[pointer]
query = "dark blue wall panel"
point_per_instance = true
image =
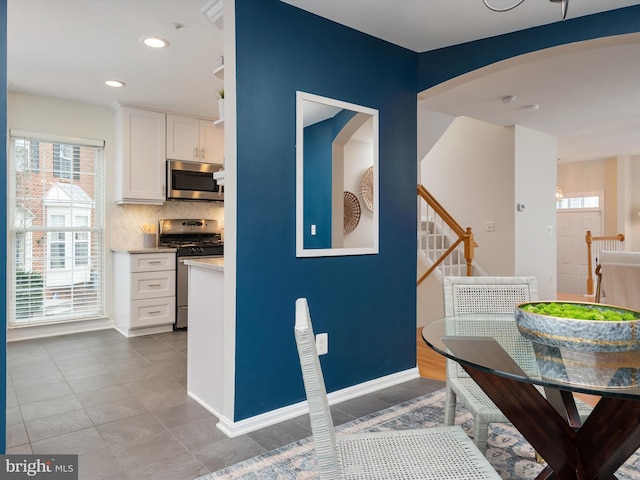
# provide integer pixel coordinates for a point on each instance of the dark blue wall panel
(366, 303)
(3, 222)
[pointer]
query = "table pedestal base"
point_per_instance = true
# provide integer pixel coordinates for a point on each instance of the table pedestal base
(592, 451)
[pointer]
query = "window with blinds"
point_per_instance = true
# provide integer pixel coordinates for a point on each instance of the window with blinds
(57, 230)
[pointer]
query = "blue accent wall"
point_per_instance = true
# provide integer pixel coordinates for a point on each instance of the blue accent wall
(366, 303)
(3, 222)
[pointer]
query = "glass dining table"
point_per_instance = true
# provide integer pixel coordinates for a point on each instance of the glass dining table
(507, 367)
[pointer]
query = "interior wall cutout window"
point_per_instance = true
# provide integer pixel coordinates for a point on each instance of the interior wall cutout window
(57, 229)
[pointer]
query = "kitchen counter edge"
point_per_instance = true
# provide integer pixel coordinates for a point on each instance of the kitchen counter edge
(216, 264)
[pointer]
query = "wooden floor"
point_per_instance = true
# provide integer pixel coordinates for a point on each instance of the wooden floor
(432, 364)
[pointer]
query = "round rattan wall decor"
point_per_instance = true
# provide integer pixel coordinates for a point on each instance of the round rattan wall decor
(367, 188)
(351, 212)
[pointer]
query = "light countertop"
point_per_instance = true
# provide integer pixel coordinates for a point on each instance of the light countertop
(216, 264)
(144, 250)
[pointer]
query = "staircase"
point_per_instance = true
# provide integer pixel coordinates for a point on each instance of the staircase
(444, 246)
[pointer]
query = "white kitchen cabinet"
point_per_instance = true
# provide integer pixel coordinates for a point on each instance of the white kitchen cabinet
(145, 292)
(141, 156)
(194, 139)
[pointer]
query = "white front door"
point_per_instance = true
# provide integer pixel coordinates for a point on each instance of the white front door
(572, 248)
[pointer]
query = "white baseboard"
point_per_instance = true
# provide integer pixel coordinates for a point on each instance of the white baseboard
(15, 334)
(234, 429)
(204, 405)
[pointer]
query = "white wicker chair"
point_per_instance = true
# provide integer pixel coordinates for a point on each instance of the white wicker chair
(438, 453)
(487, 295)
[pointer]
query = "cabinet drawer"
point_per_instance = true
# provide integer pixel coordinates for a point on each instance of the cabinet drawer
(153, 312)
(153, 284)
(149, 262)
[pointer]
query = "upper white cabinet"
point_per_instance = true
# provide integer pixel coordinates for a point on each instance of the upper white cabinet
(192, 139)
(141, 156)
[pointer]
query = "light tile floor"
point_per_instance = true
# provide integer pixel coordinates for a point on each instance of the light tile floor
(121, 404)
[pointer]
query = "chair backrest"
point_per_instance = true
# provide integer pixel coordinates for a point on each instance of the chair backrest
(487, 294)
(463, 295)
(319, 412)
(621, 278)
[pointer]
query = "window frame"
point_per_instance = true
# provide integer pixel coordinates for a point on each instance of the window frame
(82, 238)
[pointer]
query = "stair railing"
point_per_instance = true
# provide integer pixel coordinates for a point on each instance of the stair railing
(442, 240)
(595, 245)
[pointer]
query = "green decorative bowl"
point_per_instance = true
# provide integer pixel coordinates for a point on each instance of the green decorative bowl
(597, 335)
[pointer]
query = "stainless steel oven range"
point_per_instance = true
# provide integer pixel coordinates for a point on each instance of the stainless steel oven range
(191, 238)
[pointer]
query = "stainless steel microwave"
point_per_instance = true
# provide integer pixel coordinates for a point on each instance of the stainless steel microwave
(193, 181)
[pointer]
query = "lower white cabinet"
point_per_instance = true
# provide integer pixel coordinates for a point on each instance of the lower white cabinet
(145, 292)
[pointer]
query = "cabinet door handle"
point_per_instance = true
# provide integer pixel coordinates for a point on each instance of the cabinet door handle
(202, 153)
(154, 285)
(155, 312)
(195, 152)
(154, 262)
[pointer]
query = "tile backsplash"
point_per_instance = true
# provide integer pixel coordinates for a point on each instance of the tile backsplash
(126, 220)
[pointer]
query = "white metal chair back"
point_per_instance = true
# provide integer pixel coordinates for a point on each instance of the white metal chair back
(319, 412)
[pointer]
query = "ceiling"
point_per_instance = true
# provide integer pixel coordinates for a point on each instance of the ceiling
(67, 48)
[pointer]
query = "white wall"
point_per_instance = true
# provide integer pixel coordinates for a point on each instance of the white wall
(535, 226)
(629, 219)
(470, 171)
(479, 172)
(431, 126)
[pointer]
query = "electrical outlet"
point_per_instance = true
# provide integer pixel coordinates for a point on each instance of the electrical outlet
(490, 227)
(313, 229)
(322, 343)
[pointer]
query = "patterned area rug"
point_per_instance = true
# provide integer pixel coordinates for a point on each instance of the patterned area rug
(507, 451)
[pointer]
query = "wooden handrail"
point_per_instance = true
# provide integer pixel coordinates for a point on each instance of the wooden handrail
(463, 235)
(440, 210)
(590, 239)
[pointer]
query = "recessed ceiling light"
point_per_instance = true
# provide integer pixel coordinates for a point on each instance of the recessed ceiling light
(114, 83)
(533, 107)
(155, 42)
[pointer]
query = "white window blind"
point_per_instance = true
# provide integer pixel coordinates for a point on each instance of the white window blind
(57, 230)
